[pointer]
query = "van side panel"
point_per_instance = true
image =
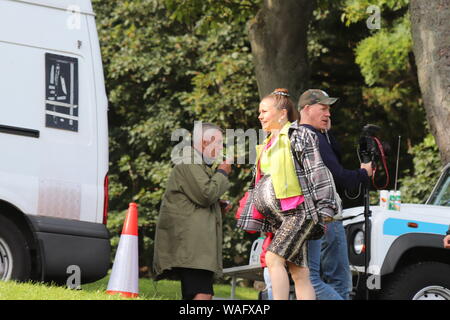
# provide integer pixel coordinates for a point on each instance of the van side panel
(55, 174)
(54, 132)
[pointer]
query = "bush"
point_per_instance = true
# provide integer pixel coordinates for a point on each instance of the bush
(417, 184)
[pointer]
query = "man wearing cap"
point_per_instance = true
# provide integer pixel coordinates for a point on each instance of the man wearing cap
(328, 256)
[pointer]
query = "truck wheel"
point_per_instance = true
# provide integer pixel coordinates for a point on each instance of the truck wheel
(15, 261)
(421, 281)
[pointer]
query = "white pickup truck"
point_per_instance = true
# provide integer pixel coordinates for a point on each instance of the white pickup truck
(405, 248)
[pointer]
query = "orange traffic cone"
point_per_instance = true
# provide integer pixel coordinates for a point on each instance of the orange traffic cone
(124, 278)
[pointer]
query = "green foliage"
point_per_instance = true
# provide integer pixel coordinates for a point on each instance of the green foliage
(384, 56)
(204, 15)
(224, 87)
(417, 184)
(356, 10)
(391, 94)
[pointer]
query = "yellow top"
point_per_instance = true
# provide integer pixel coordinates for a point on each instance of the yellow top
(278, 162)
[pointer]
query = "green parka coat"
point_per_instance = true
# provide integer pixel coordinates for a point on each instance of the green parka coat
(189, 228)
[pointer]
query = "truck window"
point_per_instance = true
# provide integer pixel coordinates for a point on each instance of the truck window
(441, 194)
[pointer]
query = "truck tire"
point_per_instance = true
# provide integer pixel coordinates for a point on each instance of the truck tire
(15, 260)
(421, 281)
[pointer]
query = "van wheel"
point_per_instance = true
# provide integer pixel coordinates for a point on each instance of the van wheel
(15, 260)
(421, 281)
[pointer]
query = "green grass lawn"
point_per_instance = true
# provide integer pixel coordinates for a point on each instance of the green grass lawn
(148, 290)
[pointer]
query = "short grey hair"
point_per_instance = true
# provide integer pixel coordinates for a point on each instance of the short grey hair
(210, 126)
(200, 128)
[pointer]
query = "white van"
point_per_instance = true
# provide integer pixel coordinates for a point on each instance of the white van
(54, 142)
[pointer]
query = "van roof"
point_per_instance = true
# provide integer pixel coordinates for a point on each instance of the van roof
(84, 6)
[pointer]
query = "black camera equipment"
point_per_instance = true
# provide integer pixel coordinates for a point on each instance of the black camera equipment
(371, 149)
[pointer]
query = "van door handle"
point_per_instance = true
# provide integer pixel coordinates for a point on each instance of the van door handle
(19, 131)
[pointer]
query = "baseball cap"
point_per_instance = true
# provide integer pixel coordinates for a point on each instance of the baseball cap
(313, 96)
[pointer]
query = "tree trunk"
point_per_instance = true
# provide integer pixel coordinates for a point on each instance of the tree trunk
(278, 37)
(430, 27)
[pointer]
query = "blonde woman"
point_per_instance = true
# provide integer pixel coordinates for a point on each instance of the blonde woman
(277, 196)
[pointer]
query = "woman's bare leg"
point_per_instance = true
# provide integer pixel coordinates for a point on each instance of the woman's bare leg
(278, 276)
(303, 287)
